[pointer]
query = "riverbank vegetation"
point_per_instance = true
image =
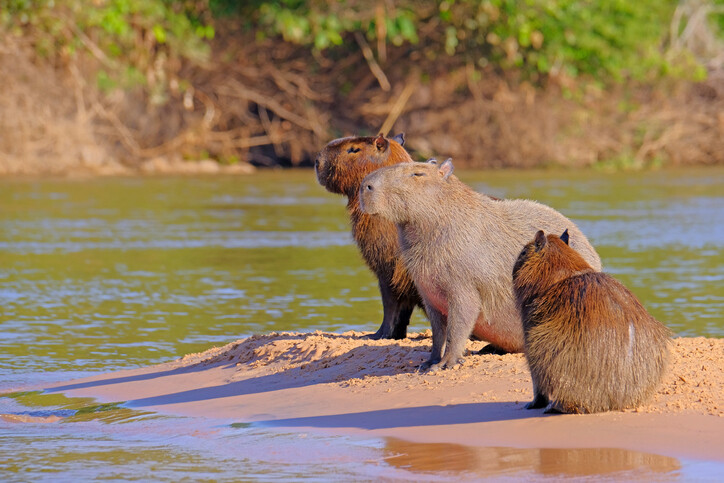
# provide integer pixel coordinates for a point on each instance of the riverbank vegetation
(112, 85)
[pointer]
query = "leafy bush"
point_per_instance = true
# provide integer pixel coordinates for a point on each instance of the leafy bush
(603, 39)
(135, 41)
(138, 40)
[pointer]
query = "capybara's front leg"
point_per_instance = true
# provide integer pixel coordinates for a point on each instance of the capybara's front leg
(399, 325)
(396, 315)
(463, 313)
(438, 323)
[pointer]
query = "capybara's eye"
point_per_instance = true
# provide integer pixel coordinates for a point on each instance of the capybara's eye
(419, 174)
(353, 150)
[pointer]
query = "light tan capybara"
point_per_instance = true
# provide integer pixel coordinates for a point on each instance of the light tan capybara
(459, 246)
(341, 166)
(590, 344)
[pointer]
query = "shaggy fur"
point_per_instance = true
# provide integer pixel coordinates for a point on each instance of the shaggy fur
(590, 344)
(340, 168)
(459, 246)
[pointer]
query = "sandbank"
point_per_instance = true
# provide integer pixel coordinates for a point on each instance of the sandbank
(343, 383)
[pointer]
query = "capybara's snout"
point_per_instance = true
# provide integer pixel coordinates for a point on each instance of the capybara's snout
(321, 168)
(368, 194)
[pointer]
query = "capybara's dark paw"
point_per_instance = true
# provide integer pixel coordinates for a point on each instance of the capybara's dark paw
(398, 334)
(538, 402)
(380, 334)
(556, 409)
(387, 333)
(491, 349)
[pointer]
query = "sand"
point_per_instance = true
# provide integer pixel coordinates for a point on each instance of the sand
(346, 384)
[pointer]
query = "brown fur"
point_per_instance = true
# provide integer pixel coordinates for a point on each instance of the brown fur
(340, 168)
(590, 344)
(459, 247)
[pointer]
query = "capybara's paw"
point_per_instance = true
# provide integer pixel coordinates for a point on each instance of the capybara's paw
(491, 349)
(538, 402)
(376, 336)
(398, 334)
(428, 365)
(447, 364)
(554, 408)
(382, 333)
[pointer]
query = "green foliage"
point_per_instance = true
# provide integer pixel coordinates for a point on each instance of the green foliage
(136, 41)
(323, 24)
(603, 39)
(718, 16)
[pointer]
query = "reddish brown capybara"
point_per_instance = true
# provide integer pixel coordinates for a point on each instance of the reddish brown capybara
(459, 246)
(341, 166)
(590, 344)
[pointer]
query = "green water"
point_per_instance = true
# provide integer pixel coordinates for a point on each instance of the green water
(103, 274)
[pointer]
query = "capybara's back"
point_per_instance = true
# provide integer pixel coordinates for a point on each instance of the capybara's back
(590, 344)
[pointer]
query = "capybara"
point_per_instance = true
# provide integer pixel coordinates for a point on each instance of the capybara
(341, 166)
(590, 344)
(459, 246)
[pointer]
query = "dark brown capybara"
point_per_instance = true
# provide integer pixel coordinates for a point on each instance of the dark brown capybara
(341, 166)
(459, 246)
(590, 344)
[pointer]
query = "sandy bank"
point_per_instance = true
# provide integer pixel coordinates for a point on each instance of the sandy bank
(343, 383)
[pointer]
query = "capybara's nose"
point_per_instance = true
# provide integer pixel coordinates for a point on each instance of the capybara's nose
(369, 187)
(316, 163)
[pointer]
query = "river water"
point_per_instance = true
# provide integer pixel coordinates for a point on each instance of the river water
(98, 275)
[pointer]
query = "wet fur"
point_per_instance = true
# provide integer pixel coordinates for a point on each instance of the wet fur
(459, 246)
(341, 171)
(590, 344)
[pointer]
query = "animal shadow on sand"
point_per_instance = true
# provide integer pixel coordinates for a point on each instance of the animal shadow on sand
(225, 358)
(481, 412)
(292, 368)
(294, 360)
(283, 361)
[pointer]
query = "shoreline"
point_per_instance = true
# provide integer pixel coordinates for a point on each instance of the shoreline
(209, 168)
(341, 383)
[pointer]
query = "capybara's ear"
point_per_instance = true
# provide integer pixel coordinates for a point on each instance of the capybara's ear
(432, 161)
(400, 138)
(564, 236)
(540, 240)
(381, 143)
(446, 169)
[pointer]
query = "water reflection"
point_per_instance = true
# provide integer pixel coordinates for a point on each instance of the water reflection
(490, 462)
